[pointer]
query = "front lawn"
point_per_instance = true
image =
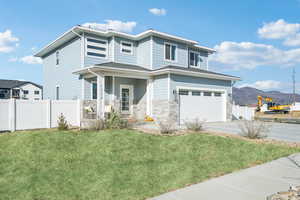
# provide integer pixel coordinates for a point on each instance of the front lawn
(117, 164)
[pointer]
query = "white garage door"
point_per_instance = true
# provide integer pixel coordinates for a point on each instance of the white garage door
(209, 106)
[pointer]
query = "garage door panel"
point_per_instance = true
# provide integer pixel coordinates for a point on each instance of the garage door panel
(206, 108)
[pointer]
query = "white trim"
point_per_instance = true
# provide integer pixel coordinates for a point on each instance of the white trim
(176, 52)
(70, 34)
(113, 49)
(151, 52)
(82, 44)
(201, 88)
(131, 97)
(94, 38)
(121, 47)
(169, 86)
(193, 66)
(103, 96)
(158, 72)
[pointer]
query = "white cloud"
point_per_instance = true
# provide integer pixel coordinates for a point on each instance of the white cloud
(112, 24)
(263, 85)
(7, 41)
(158, 11)
(289, 33)
(248, 55)
(31, 60)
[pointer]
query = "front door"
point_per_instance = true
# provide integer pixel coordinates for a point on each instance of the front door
(126, 96)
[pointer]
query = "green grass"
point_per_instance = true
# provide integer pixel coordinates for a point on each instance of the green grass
(117, 164)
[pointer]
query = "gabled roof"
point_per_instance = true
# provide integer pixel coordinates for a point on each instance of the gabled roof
(79, 30)
(189, 71)
(9, 84)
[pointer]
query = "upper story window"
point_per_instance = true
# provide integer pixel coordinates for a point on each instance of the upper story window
(25, 92)
(96, 48)
(170, 52)
(57, 57)
(126, 47)
(195, 59)
(36, 92)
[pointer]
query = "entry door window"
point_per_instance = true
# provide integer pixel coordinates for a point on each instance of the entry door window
(125, 99)
(94, 90)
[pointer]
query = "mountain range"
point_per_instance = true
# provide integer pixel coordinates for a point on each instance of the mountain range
(248, 96)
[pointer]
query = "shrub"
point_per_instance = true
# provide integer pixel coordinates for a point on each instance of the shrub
(254, 129)
(62, 122)
(166, 127)
(194, 125)
(114, 121)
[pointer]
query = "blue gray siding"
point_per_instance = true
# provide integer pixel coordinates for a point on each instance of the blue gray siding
(160, 87)
(144, 53)
(123, 57)
(70, 85)
(197, 82)
(159, 55)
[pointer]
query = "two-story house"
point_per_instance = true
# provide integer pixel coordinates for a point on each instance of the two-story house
(148, 74)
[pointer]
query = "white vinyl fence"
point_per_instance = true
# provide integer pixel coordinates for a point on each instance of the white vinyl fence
(243, 112)
(34, 114)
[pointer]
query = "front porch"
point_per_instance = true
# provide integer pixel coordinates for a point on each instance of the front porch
(127, 93)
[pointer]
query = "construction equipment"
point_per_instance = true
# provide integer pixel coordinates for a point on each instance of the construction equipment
(271, 106)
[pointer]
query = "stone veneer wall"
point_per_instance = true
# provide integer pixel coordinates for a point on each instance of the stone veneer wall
(164, 110)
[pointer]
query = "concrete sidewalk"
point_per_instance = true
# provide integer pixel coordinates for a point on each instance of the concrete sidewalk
(255, 183)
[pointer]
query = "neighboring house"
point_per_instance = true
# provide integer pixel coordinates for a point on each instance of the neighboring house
(20, 90)
(148, 74)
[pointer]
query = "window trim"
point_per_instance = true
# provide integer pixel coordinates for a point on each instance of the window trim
(195, 52)
(121, 47)
(94, 38)
(171, 44)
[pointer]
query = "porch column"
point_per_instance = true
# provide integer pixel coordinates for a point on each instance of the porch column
(100, 95)
(149, 96)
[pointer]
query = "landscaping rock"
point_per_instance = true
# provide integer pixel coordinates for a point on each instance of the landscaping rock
(292, 194)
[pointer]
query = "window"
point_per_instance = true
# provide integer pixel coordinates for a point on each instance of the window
(25, 91)
(218, 94)
(170, 52)
(57, 93)
(126, 47)
(57, 57)
(96, 48)
(36, 99)
(195, 59)
(183, 92)
(207, 94)
(196, 93)
(2, 96)
(36, 92)
(94, 90)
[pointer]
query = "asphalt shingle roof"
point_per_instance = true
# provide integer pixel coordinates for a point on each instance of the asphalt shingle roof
(8, 84)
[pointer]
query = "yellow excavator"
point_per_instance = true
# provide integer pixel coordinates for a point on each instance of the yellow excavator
(271, 106)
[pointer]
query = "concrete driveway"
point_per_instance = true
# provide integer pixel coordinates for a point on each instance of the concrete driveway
(278, 131)
(255, 183)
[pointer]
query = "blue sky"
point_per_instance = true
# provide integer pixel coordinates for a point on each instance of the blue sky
(256, 40)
